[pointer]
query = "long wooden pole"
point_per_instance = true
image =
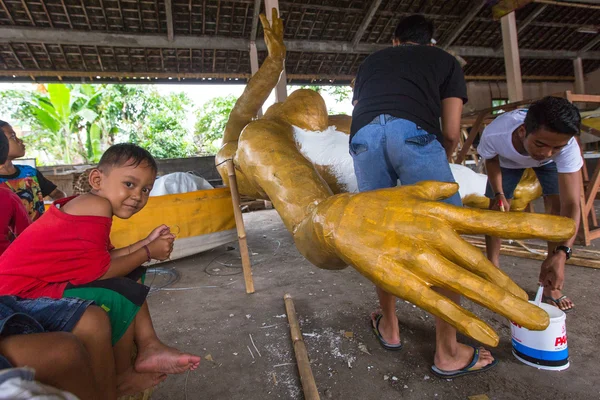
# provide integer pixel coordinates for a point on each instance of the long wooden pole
(241, 230)
(306, 376)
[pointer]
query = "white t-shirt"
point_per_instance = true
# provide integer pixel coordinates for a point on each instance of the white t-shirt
(496, 140)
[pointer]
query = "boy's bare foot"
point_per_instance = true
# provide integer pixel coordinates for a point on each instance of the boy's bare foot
(462, 358)
(157, 357)
(132, 382)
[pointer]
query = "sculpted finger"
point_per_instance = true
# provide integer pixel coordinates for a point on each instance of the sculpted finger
(393, 277)
(265, 22)
(434, 190)
(440, 272)
(510, 225)
(460, 252)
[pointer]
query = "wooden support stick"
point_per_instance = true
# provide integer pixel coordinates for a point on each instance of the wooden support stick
(239, 223)
(306, 376)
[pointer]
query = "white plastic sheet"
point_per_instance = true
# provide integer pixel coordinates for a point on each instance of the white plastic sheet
(179, 182)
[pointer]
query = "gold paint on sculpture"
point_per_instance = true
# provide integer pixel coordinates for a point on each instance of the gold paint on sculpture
(402, 239)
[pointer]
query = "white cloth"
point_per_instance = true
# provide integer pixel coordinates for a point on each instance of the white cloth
(179, 182)
(19, 384)
(496, 140)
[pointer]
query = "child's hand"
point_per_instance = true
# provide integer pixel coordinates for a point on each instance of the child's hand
(161, 247)
(158, 232)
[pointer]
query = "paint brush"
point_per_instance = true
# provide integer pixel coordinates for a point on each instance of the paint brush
(502, 209)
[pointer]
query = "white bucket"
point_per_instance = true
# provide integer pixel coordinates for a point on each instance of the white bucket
(545, 349)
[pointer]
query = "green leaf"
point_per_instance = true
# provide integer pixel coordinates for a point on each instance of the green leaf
(60, 96)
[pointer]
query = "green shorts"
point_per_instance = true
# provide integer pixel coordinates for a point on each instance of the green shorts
(121, 298)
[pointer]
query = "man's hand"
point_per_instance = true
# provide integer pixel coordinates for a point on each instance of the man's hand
(496, 201)
(158, 231)
(161, 247)
(552, 273)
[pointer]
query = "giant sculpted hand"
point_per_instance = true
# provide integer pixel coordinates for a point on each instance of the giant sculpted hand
(402, 239)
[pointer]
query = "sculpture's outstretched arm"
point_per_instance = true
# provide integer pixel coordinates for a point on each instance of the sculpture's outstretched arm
(262, 83)
(402, 239)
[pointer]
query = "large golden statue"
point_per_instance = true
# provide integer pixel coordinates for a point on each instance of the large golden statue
(402, 239)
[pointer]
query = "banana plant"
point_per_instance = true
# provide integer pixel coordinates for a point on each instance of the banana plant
(66, 113)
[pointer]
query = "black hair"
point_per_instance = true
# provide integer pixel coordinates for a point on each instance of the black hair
(415, 28)
(3, 146)
(127, 154)
(3, 124)
(555, 114)
(24, 194)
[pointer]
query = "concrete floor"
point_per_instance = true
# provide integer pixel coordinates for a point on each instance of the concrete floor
(212, 316)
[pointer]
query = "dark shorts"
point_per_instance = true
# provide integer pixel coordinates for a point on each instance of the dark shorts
(547, 174)
(121, 298)
(24, 316)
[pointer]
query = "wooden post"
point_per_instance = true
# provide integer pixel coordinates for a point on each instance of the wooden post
(306, 376)
(239, 223)
(512, 61)
(254, 67)
(281, 88)
(579, 78)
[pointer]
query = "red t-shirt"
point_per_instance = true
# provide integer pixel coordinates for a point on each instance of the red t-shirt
(56, 250)
(13, 218)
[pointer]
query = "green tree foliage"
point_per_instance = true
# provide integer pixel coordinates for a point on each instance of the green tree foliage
(210, 124)
(76, 123)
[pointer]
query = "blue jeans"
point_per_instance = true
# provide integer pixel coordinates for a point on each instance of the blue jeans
(547, 174)
(391, 149)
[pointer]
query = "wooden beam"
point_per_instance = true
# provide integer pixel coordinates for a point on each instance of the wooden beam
(531, 17)
(568, 4)
(579, 78)
(169, 12)
(464, 23)
(366, 21)
(10, 18)
(255, 13)
(281, 87)
(591, 44)
(512, 60)
(95, 38)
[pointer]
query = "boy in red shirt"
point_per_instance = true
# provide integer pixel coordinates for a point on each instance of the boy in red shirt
(67, 253)
(13, 218)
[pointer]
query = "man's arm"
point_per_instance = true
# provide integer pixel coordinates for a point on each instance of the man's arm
(451, 113)
(569, 185)
(57, 194)
(552, 273)
(494, 174)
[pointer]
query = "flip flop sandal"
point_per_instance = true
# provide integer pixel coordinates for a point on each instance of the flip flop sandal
(556, 302)
(382, 342)
(468, 370)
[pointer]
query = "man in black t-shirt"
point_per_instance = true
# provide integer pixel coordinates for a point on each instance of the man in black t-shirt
(400, 94)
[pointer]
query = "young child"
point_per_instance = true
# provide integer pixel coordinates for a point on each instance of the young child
(24, 180)
(541, 138)
(65, 342)
(13, 218)
(67, 253)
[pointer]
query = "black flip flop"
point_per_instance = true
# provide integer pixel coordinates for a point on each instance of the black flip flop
(468, 370)
(556, 302)
(382, 342)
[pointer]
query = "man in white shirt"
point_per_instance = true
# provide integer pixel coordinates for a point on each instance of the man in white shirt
(541, 138)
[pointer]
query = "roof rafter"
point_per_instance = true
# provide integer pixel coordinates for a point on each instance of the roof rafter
(69, 37)
(365, 23)
(464, 23)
